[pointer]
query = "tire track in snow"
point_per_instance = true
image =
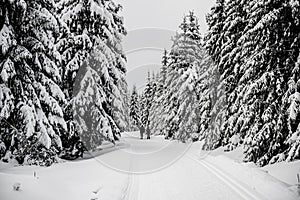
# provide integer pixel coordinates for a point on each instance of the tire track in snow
(230, 182)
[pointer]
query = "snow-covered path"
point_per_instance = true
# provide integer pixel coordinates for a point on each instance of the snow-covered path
(184, 178)
(140, 170)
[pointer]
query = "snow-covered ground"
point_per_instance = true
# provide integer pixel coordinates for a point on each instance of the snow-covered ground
(151, 169)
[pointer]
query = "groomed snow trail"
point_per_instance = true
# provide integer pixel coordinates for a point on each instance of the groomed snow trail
(233, 184)
(141, 170)
(186, 178)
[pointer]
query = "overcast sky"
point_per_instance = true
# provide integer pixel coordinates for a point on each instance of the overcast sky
(151, 23)
(162, 13)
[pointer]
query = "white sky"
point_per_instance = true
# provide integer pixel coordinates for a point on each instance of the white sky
(163, 15)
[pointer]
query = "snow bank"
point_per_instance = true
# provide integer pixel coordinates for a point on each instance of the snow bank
(67, 180)
(76, 180)
(285, 171)
(277, 181)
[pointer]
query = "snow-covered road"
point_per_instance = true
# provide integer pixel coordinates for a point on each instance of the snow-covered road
(140, 170)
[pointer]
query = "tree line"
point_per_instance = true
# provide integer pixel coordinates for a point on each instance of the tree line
(238, 84)
(62, 82)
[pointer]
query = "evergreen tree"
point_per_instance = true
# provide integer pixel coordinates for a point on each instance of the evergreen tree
(254, 45)
(92, 109)
(42, 49)
(292, 100)
(266, 70)
(215, 38)
(205, 93)
(94, 29)
(156, 113)
(229, 69)
(30, 79)
(211, 107)
(134, 107)
(146, 102)
(180, 98)
(291, 97)
(121, 107)
(226, 24)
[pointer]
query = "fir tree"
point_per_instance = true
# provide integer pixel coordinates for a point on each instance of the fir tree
(292, 95)
(95, 28)
(215, 38)
(229, 68)
(147, 101)
(121, 106)
(42, 49)
(254, 45)
(180, 99)
(156, 123)
(266, 70)
(30, 76)
(293, 139)
(134, 107)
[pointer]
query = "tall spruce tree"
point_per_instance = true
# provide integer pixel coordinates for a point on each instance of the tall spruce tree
(229, 69)
(179, 101)
(30, 79)
(147, 101)
(255, 45)
(156, 110)
(134, 108)
(206, 97)
(267, 42)
(42, 49)
(214, 41)
(215, 38)
(291, 97)
(121, 106)
(95, 28)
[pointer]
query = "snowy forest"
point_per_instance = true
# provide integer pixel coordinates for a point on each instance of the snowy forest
(237, 84)
(62, 78)
(63, 89)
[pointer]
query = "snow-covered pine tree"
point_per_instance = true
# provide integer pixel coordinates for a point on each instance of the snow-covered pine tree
(30, 79)
(255, 45)
(121, 106)
(266, 49)
(154, 84)
(292, 118)
(211, 105)
(130, 126)
(229, 69)
(146, 102)
(154, 104)
(180, 98)
(156, 124)
(215, 38)
(286, 145)
(226, 24)
(162, 73)
(95, 29)
(214, 44)
(205, 90)
(134, 108)
(92, 111)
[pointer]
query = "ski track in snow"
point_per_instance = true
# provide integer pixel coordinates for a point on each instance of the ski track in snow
(181, 182)
(233, 184)
(189, 177)
(148, 190)
(131, 192)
